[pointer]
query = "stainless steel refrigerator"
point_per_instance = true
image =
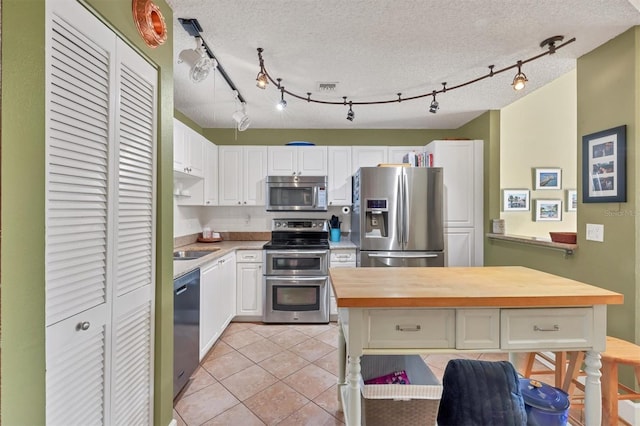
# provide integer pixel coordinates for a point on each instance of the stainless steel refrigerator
(397, 216)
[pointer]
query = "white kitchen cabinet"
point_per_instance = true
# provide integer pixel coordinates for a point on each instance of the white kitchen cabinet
(339, 258)
(367, 156)
(210, 174)
(339, 177)
(462, 164)
(209, 327)
(242, 172)
(249, 284)
(297, 161)
(194, 191)
(217, 300)
(100, 223)
(188, 150)
(397, 153)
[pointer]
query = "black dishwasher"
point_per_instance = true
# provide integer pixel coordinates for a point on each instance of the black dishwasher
(186, 327)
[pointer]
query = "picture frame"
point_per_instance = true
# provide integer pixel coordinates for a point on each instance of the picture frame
(604, 172)
(514, 200)
(572, 200)
(547, 178)
(548, 210)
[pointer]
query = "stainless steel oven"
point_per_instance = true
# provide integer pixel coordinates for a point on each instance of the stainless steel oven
(296, 269)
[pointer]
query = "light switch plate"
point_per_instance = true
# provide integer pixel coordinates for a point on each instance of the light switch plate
(595, 232)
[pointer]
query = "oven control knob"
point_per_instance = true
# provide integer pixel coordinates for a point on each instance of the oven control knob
(277, 224)
(313, 225)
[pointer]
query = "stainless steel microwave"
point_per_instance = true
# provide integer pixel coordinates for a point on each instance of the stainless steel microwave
(297, 193)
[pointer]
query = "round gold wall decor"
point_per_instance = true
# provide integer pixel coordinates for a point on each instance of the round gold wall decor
(150, 22)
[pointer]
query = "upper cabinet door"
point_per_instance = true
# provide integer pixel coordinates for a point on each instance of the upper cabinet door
(367, 156)
(255, 170)
(312, 160)
(339, 175)
(297, 161)
(210, 174)
(230, 175)
(282, 160)
(179, 161)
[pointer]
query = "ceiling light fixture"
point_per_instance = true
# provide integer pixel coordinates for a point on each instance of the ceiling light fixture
(192, 26)
(520, 80)
(198, 61)
(282, 104)
(350, 114)
(433, 108)
(261, 80)
(240, 116)
(549, 43)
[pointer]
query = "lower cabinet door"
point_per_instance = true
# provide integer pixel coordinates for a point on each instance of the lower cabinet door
(249, 277)
(208, 307)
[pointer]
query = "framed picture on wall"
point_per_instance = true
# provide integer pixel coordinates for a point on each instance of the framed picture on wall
(547, 178)
(572, 200)
(548, 210)
(515, 200)
(604, 178)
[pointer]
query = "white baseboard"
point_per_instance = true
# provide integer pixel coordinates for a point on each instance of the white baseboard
(173, 422)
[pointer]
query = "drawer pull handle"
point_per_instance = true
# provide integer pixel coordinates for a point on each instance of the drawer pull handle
(555, 328)
(408, 327)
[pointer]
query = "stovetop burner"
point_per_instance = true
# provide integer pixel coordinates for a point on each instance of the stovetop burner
(298, 234)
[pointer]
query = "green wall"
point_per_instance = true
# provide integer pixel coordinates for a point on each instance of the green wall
(419, 137)
(22, 263)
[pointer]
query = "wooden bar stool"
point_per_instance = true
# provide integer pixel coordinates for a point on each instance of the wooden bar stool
(618, 352)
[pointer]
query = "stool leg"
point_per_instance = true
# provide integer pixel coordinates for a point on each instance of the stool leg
(561, 364)
(575, 363)
(610, 393)
(528, 367)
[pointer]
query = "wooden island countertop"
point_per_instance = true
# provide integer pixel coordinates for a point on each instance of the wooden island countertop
(499, 286)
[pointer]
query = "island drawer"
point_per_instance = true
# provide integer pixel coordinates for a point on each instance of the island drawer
(339, 257)
(550, 328)
(411, 328)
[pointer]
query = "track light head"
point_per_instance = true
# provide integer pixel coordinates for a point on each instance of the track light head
(350, 114)
(241, 118)
(433, 108)
(520, 80)
(201, 65)
(282, 104)
(261, 80)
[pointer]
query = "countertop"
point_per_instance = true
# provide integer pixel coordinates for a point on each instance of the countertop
(342, 244)
(495, 286)
(218, 250)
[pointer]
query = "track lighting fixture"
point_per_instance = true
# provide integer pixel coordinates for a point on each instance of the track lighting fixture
(198, 61)
(520, 80)
(240, 116)
(282, 104)
(350, 114)
(433, 108)
(192, 26)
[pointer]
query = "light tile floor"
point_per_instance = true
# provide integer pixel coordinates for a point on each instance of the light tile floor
(259, 374)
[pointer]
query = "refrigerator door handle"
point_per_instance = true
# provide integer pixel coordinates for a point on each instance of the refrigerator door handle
(399, 223)
(404, 256)
(405, 208)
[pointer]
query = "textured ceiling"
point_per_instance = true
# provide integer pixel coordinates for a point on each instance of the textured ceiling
(375, 49)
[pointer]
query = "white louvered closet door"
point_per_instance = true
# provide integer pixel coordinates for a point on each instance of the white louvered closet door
(132, 369)
(99, 214)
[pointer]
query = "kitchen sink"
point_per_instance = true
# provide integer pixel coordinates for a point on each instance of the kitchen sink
(191, 254)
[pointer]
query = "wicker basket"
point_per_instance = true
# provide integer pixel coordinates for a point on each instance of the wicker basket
(413, 404)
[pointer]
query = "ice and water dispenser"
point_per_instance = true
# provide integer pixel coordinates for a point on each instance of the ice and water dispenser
(376, 218)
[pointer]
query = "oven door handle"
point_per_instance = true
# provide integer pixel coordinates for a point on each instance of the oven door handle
(295, 253)
(316, 278)
(407, 256)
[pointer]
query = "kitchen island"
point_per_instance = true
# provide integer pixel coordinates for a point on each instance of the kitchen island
(458, 310)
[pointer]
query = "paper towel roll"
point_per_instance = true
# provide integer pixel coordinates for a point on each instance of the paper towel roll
(346, 210)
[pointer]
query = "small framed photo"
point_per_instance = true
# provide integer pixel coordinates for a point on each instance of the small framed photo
(548, 210)
(515, 200)
(547, 179)
(572, 200)
(604, 171)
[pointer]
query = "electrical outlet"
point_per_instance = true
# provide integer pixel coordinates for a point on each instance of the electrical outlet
(595, 232)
